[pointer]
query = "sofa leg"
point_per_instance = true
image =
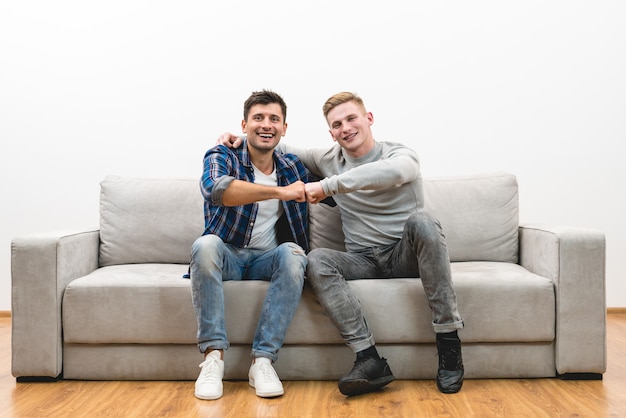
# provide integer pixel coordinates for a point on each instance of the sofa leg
(38, 379)
(580, 376)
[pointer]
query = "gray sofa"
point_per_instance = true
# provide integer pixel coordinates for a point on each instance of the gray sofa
(112, 304)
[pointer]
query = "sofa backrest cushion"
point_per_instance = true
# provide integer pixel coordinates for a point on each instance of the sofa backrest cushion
(479, 215)
(149, 220)
(152, 220)
(325, 227)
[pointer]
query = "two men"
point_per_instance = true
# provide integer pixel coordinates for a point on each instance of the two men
(378, 188)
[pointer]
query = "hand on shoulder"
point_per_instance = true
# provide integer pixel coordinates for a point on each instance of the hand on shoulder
(229, 140)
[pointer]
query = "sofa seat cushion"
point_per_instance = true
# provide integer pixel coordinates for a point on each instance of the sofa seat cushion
(499, 302)
(132, 303)
(151, 303)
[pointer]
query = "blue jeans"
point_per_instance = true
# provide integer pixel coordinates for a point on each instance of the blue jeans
(421, 252)
(213, 262)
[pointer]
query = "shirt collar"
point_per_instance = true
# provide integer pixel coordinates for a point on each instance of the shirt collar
(245, 156)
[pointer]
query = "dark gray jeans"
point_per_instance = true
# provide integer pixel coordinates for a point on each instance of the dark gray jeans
(421, 252)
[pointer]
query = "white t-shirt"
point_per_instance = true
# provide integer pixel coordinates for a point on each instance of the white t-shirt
(264, 230)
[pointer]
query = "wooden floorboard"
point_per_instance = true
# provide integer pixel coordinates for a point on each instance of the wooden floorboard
(404, 398)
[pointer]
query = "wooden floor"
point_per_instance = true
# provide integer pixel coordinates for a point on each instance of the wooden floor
(478, 398)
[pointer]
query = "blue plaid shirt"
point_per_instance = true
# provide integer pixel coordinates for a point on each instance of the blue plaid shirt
(233, 224)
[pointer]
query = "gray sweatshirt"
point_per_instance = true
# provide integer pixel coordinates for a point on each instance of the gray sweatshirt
(376, 193)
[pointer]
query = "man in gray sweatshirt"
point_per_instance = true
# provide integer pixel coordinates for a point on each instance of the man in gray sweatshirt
(378, 189)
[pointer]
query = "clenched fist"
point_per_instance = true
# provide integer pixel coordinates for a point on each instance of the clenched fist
(295, 191)
(314, 192)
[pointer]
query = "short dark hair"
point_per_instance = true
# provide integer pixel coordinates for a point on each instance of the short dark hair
(264, 97)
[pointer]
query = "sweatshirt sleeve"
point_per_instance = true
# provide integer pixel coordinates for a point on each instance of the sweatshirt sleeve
(397, 166)
(311, 158)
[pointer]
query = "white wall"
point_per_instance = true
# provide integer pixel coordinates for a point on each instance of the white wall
(144, 87)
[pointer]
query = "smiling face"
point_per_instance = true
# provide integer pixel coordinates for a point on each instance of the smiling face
(350, 127)
(264, 126)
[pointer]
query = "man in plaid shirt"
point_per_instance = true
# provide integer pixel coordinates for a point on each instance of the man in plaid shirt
(256, 228)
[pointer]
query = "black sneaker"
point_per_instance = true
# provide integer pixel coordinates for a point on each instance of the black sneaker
(450, 372)
(367, 375)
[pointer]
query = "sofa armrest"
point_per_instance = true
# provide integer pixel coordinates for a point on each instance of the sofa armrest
(41, 267)
(574, 259)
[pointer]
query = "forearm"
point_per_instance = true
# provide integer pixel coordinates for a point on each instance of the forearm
(378, 175)
(241, 192)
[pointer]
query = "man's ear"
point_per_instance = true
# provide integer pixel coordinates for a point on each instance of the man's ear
(244, 127)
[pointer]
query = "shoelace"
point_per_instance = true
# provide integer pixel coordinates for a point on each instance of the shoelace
(268, 372)
(362, 366)
(210, 368)
(450, 357)
(360, 363)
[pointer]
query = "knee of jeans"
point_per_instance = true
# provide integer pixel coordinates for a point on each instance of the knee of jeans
(205, 247)
(321, 255)
(294, 256)
(317, 259)
(424, 225)
(291, 248)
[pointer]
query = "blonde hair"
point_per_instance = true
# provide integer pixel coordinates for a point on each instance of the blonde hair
(341, 98)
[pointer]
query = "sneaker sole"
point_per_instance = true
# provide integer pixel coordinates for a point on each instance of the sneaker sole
(271, 394)
(450, 389)
(361, 386)
(208, 397)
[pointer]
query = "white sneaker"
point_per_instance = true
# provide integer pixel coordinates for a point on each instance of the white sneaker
(209, 383)
(264, 379)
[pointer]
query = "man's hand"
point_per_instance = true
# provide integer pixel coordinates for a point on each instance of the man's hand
(295, 191)
(314, 192)
(229, 140)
